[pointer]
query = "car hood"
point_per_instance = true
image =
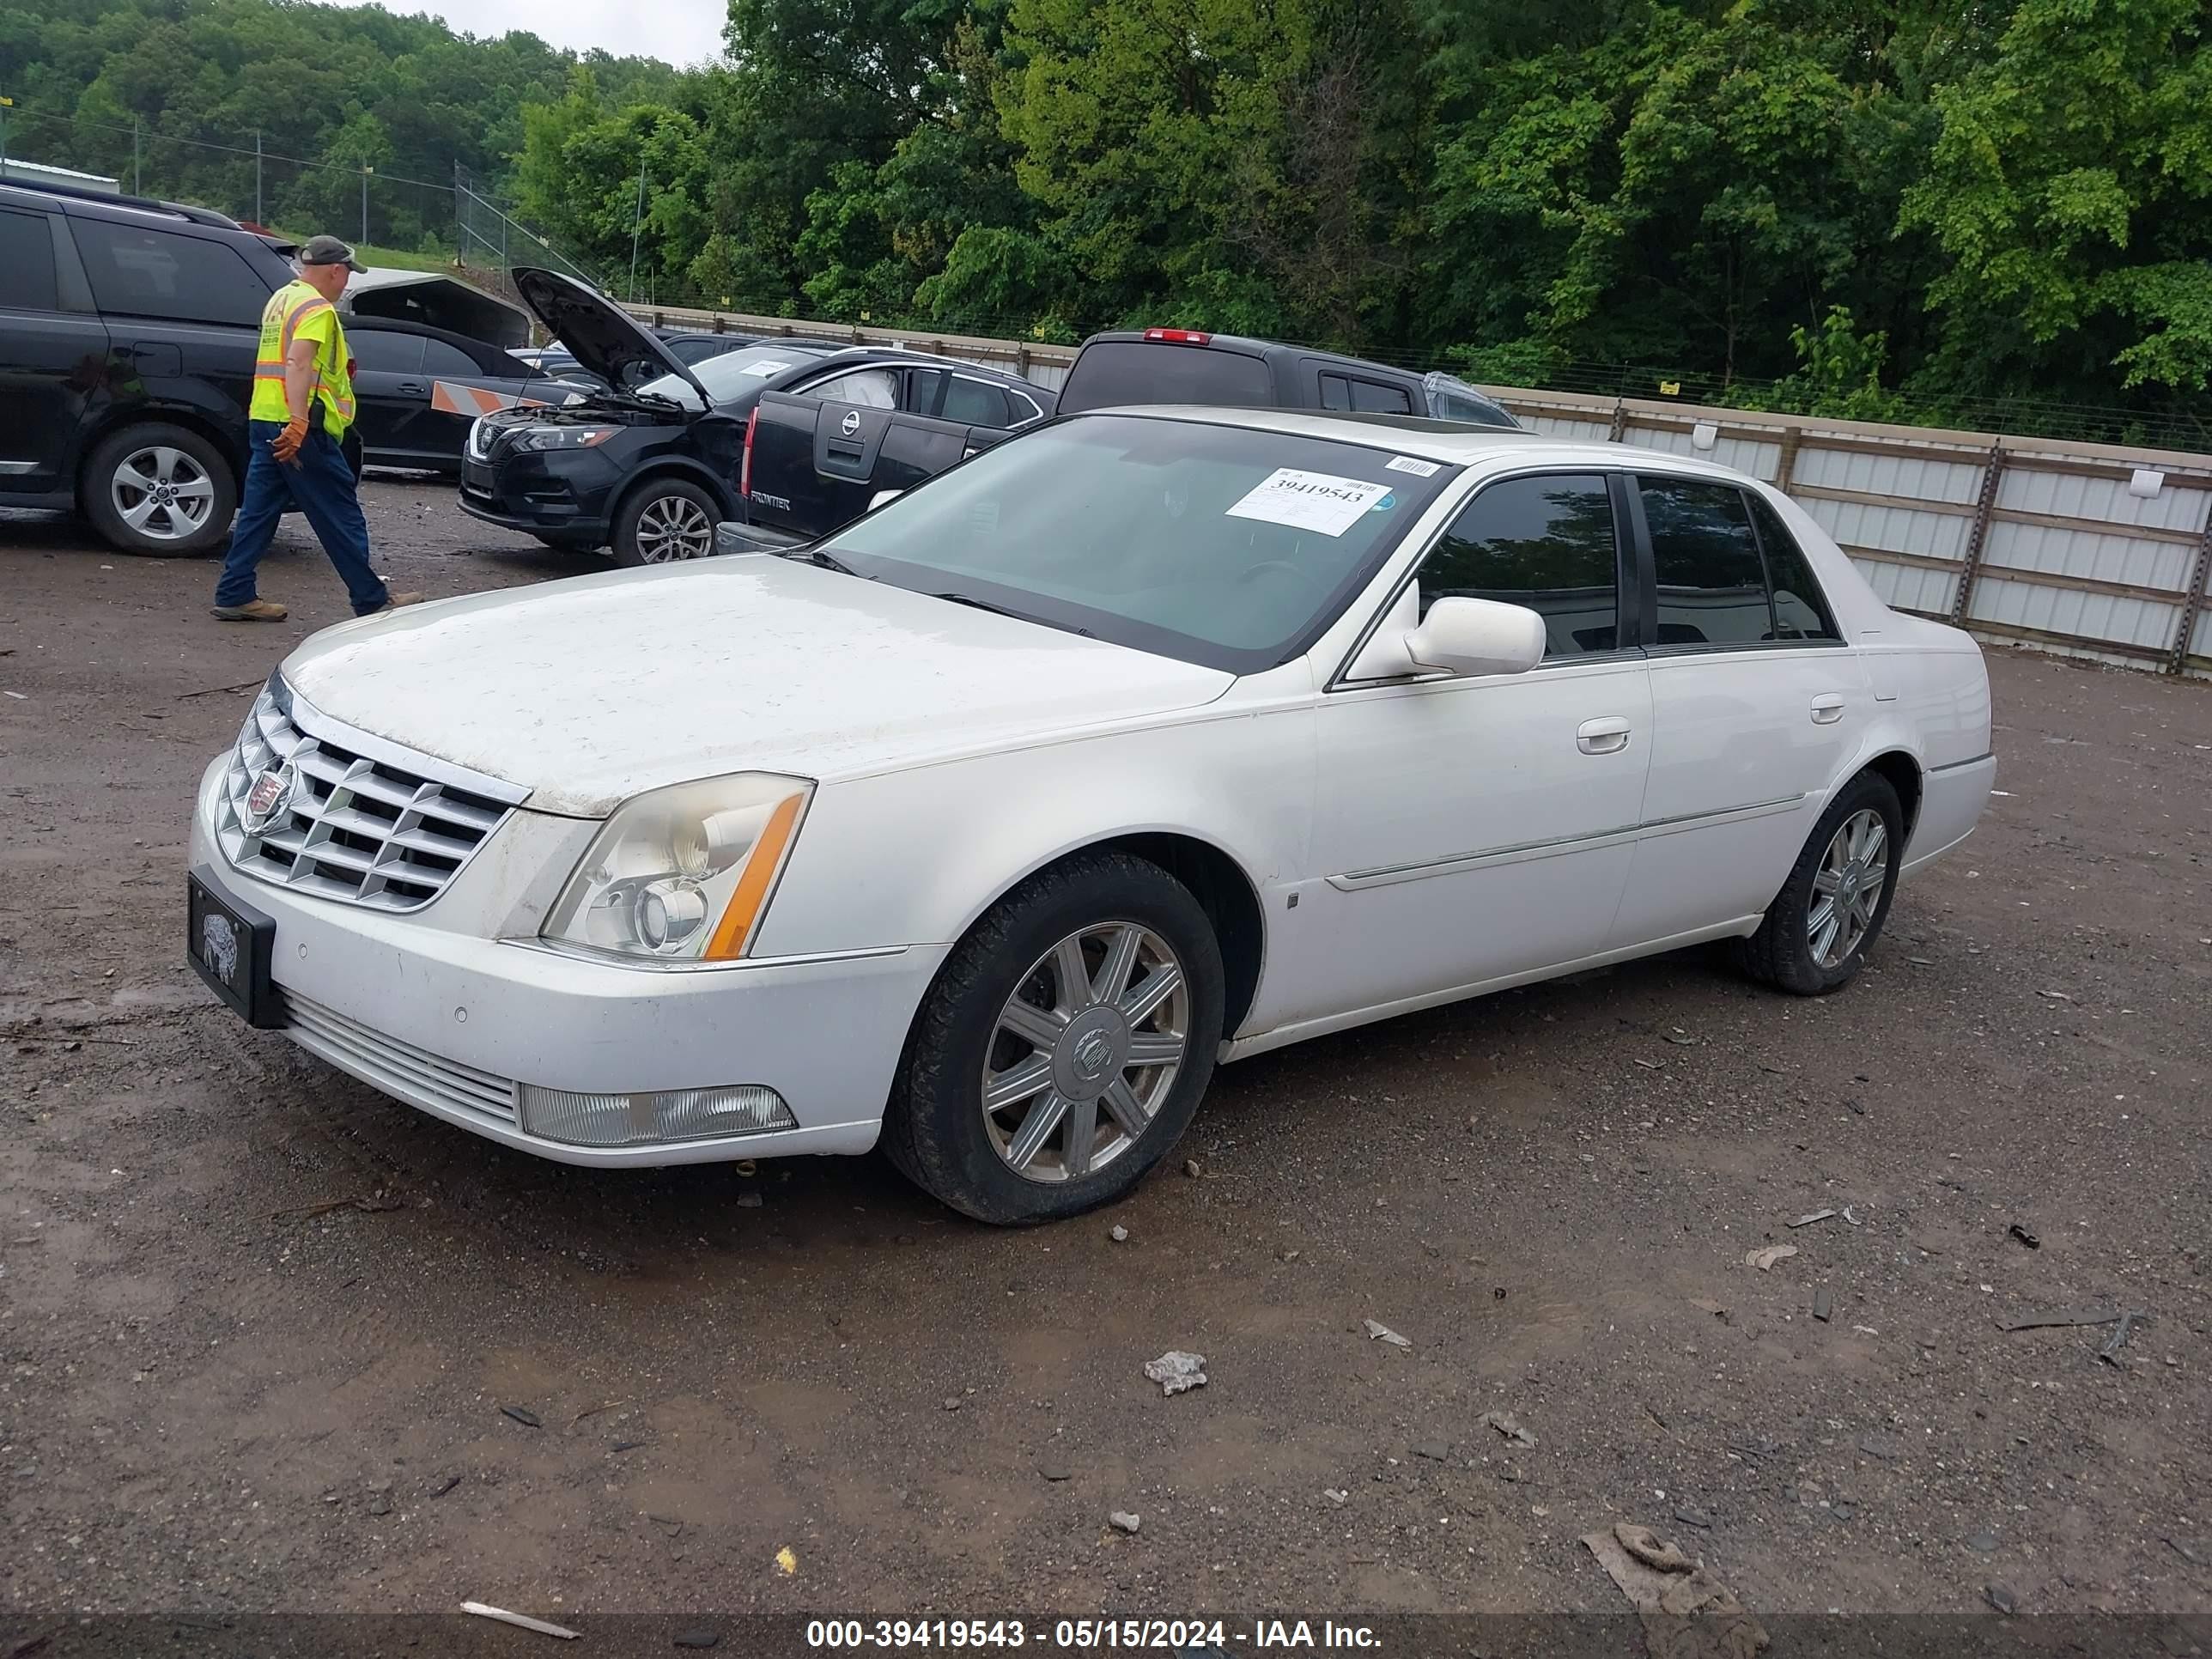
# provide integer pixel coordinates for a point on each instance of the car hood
(603, 339)
(587, 691)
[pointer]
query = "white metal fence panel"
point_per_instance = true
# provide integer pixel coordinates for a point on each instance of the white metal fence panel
(2177, 506)
(1908, 587)
(2091, 618)
(2095, 554)
(1563, 426)
(1761, 459)
(1902, 475)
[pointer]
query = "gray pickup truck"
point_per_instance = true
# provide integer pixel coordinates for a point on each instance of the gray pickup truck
(815, 463)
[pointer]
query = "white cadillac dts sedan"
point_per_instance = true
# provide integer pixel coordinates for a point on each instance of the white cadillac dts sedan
(1143, 741)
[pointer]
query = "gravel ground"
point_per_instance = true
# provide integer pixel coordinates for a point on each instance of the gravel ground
(268, 1340)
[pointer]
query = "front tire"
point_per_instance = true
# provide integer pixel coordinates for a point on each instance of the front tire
(1064, 1046)
(664, 520)
(160, 489)
(1831, 910)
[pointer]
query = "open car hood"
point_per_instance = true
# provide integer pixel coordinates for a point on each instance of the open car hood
(604, 339)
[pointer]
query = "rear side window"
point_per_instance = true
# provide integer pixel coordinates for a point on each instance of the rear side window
(140, 273)
(1547, 543)
(1712, 590)
(1109, 373)
(1801, 610)
(382, 353)
(1365, 397)
(973, 403)
(27, 262)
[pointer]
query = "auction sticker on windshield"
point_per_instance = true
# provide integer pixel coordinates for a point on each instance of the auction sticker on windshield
(1309, 500)
(763, 370)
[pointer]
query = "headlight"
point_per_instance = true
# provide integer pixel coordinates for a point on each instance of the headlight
(682, 874)
(563, 437)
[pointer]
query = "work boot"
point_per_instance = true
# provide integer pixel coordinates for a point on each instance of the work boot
(393, 601)
(251, 610)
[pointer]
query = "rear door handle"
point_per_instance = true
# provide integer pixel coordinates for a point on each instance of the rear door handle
(413, 389)
(1609, 736)
(1827, 710)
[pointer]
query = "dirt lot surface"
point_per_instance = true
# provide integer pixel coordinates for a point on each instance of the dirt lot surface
(269, 1340)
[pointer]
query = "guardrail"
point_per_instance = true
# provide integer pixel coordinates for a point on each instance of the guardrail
(2087, 549)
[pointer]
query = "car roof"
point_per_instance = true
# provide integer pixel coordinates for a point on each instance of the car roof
(1252, 346)
(1455, 443)
(78, 198)
(913, 356)
(356, 322)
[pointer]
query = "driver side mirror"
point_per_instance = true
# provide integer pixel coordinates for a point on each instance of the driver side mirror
(1466, 637)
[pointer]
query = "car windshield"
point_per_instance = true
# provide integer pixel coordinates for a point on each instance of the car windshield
(1217, 544)
(732, 375)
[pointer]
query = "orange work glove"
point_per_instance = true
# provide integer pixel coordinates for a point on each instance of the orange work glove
(285, 448)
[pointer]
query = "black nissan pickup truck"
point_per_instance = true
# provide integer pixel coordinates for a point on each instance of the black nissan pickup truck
(814, 465)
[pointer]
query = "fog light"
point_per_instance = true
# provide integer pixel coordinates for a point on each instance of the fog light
(645, 1119)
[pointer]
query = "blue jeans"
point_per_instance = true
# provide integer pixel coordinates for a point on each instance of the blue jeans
(322, 485)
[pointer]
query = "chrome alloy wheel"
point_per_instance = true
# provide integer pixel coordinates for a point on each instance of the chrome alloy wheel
(162, 493)
(1847, 889)
(1085, 1051)
(673, 528)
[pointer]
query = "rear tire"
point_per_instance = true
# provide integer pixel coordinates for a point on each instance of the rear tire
(1831, 910)
(664, 520)
(176, 485)
(1130, 1035)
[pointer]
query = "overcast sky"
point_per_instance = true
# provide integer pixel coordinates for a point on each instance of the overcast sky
(678, 31)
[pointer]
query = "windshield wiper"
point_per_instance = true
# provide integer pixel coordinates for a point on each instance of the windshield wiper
(975, 604)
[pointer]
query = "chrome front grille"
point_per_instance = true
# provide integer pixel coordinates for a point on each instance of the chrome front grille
(397, 1067)
(376, 829)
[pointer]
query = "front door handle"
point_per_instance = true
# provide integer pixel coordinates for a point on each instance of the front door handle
(1609, 736)
(413, 389)
(1827, 710)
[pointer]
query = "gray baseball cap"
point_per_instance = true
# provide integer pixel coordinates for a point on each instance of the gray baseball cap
(329, 251)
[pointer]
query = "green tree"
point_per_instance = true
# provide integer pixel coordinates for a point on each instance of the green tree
(2068, 191)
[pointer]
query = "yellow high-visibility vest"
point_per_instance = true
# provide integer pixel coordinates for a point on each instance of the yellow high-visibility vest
(289, 308)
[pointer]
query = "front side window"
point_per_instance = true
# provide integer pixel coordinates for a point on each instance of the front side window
(141, 272)
(1801, 610)
(443, 358)
(1712, 589)
(872, 388)
(1547, 543)
(1221, 545)
(379, 352)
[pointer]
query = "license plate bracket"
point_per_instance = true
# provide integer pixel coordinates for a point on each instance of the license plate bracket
(231, 945)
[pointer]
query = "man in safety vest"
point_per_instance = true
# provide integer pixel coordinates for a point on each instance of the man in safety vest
(302, 405)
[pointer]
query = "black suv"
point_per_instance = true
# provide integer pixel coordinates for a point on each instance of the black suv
(1190, 366)
(650, 465)
(127, 334)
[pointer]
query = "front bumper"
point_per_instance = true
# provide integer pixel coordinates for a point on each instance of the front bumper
(454, 1022)
(550, 493)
